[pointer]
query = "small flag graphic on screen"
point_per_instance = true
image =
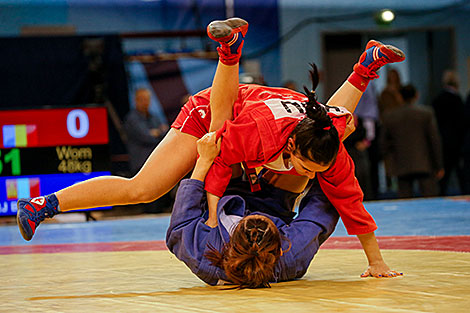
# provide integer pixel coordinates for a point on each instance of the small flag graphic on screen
(19, 136)
(22, 188)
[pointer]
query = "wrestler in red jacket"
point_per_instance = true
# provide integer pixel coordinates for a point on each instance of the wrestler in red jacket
(264, 119)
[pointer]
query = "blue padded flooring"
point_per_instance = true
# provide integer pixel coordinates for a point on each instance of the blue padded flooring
(420, 217)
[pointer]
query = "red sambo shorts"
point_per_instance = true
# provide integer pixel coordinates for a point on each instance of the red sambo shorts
(194, 117)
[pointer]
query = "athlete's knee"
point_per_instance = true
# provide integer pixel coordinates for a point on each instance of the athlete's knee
(141, 192)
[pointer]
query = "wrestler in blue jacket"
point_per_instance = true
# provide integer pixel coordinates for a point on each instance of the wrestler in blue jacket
(189, 238)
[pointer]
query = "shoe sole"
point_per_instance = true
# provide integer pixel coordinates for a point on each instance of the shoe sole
(20, 226)
(395, 50)
(373, 43)
(220, 29)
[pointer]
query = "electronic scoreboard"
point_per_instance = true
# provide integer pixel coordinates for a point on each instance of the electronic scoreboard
(44, 150)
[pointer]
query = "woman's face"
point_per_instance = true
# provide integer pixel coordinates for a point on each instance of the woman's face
(305, 167)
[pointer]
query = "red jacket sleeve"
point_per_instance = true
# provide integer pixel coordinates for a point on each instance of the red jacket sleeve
(240, 142)
(342, 189)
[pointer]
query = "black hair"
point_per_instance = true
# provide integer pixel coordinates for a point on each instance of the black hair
(315, 136)
(408, 92)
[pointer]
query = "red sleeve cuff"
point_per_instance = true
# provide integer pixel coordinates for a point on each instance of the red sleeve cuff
(361, 230)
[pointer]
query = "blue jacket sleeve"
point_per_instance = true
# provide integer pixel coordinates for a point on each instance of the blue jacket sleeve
(188, 235)
(315, 222)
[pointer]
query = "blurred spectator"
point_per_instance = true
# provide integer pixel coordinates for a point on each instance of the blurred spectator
(390, 97)
(144, 131)
(252, 78)
(185, 99)
(357, 145)
(368, 111)
(290, 84)
(449, 109)
(466, 149)
(411, 139)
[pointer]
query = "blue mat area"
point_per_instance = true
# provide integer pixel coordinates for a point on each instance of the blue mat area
(420, 217)
(426, 217)
(144, 229)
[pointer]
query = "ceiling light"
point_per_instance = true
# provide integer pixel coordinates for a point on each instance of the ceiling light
(384, 17)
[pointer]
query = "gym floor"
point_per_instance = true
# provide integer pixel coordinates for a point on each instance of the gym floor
(123, 266)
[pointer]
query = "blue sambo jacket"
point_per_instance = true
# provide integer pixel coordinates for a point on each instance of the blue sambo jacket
(188, 236)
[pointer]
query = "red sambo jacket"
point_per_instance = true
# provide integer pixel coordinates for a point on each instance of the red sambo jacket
(264, 117)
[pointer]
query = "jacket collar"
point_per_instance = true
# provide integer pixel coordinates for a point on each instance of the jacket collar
(229, 205)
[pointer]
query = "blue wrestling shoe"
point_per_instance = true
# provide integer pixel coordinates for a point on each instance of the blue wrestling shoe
(230, 34)
(31, 212)
(375, 56)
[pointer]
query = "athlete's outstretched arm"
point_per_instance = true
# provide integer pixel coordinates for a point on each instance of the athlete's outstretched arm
(212, 201)
(224, 92)
(342, 189)
(377, 267)
(208, 149)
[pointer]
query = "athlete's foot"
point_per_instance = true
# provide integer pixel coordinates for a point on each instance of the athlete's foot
(31, 212)
(375, 56)
(230, 34)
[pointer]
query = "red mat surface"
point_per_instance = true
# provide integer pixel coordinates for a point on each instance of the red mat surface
(441, 243)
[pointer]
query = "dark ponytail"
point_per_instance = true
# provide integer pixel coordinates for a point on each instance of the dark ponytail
(316, 138)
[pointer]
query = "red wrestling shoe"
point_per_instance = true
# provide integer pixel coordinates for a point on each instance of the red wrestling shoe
(31, 212)
(375, 56)
(230, 34)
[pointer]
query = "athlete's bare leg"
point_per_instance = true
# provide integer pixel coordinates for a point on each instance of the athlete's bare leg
(230, 34)
(173, 158)
(346, 96)
(371, 60)
(176, 155)
(224, 92)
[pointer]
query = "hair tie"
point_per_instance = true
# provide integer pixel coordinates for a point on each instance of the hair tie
(327, 128)
(259, 233)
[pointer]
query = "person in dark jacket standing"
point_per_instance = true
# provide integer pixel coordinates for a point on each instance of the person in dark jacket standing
(411, 143)
(449, 109)
(144, 131)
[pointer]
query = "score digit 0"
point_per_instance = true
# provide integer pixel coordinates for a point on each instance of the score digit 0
(83, 127)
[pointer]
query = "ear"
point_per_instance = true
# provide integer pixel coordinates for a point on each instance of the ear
(290, 145)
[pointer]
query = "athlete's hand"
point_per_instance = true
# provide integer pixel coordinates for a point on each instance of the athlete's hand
(207, 147)
(380, 270)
